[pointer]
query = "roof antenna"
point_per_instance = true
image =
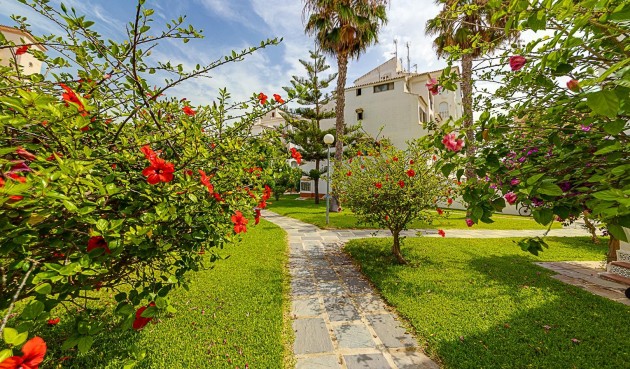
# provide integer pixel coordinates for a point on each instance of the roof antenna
(396, 46)
(416, 67)
(408, 59)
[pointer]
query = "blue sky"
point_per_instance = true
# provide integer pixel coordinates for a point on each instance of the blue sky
(235, 25)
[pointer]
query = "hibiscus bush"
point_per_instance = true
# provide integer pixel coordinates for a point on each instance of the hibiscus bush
(390, 187)
(108, 183)
(553, 136)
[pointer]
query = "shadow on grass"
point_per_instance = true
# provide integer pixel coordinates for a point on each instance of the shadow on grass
(476, 307)
(548, 324)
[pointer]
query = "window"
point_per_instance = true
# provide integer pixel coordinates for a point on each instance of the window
(30, 64)
(422, 115)
(305, 186)
(358, 92)
(384, 87)
(273, 114)
(359, 114)
(444, 110)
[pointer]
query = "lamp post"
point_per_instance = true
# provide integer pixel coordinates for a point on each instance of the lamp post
(328, 140)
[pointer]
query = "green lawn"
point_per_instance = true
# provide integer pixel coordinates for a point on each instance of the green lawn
(231, 316)
(307, 211)
(482, 303)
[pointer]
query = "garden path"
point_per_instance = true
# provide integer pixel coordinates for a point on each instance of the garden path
(339, 320)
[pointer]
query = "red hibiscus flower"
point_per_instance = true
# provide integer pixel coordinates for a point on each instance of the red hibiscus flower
(411, 173)
(141, 321)
(573, 85)
(449, 201)
(262, 204)
(217, 197)
(257, 216)
(510, 197)
(148, 153)
(441, 233)
(266, 193)
(452, 143)
(349, 173)
(434, 158)
(433, 86)
(401, 184)
(278, 99)
(469, 222)
(517, 62)
(21, 50)
(395, 158)
(262, 98)
(378, 185)
(13, 197)
(205, 180)
(71, 97)
(20, 166)
(53, 156)
(52, 322)
(25, 154)
(159, 171)
(240, 222)
(17, 177)
(33, 350)
(98, 242)
(189, 111)
(439, 211)
(296, 155)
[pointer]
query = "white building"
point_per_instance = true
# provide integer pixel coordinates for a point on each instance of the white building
(27, 61)
(399, 101)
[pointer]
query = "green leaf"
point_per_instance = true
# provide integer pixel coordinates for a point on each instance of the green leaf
(614, 127)
(551, 189)
(101, 225)
(44, 289)
(533, 179)
(161, 303)
(607, 149)
(447, 169)
(609, 195)
(85, 343)
(6, 353)
(20, 338)
(70, 206)
(603, 103)
(150, 312)
(9, 335)
(617, 232)
(543, 216)
(70, 343)
(32, 310)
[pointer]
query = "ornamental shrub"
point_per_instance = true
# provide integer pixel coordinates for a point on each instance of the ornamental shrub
(389, 187)
(553, 136)
(106, 183)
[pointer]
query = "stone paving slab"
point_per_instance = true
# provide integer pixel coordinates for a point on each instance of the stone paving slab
(353, 336)
(413, 360)
(311, 336)
(318, 362)
(583, 274)
(366, 361)
(389, 330)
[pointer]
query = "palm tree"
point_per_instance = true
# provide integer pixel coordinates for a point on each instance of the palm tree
(465, 30)
(344, 29)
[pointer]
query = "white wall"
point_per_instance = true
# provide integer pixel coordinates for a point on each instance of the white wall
(28, 62)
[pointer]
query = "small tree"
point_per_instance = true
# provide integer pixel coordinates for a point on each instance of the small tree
(305, 122)
(389, 188)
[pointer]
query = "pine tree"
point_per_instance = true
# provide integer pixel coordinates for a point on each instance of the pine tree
(304, 123)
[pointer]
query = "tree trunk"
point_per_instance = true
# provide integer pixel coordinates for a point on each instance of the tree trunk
(396, 248)
(613, 246)
(342, 66)
(316, 183)
(467, 101)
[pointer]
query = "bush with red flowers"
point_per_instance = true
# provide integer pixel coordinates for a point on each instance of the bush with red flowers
(106, 183)
(389, 188)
